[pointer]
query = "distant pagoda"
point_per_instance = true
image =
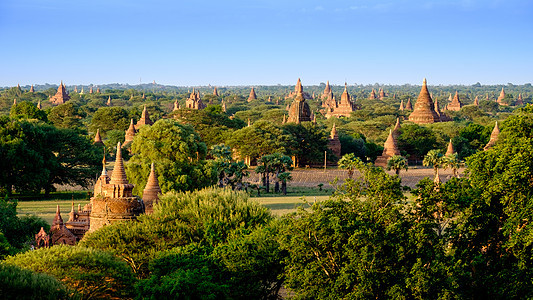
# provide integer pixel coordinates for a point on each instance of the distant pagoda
(493, 137)
(372, 95)
(501, 97)
(144, 120)
(390, 148)
(194, 101)
(61, 96)
(342, 109)
(299, 111)
(334, 144)
(424, 112)
(455, 104)
(252, 95)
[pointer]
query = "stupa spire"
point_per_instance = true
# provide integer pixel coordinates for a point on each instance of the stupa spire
(151, 191)
(98, 138)
(450, 149)
(58, 220)
(493, 137)
(424, 112)
(119, 174)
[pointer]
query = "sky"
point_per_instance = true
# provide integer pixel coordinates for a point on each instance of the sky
(266, 42)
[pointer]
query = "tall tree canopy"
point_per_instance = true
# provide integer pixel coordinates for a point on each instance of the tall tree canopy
(178, 154)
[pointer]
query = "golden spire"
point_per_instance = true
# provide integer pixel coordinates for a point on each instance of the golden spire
(119, 174)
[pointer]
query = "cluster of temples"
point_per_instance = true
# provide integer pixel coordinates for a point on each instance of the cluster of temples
(113, 202)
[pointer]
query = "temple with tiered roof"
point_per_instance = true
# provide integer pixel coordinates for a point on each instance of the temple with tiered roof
(61, 96)
(299, 111)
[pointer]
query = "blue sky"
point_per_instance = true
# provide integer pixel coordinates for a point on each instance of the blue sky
(266, 42)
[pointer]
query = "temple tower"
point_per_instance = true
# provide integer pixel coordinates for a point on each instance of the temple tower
(130, 133)
(114, 202)
(344, 108)
(455, 104)
(145, 119)
(501, 97)
(409, 106)
(61, 96)
(299, 111)
(151, 192)
(450, 150)
(98, 138)
(252, 95)
(493, 137)
(424, 112)
(334, 144)
(389, 149)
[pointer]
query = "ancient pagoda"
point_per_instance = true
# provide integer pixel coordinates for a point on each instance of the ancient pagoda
(424, 112)
(252, 95)
(98, 138)
(501, 97)
(402, 107)
(151, 192)
(108, 103)
(130, 133)
(381, 94)
(334, 144)
(372, 95)
(61, 96)
(113, 199)
(519, 101)
(389, 149)
(194, 101)
(32, 90)
(328, 94)
(476, 101)
(145, 119)
(397, 129)
(215, 92)
(344, 108)
(442, 116)
(455, 104)
(176, 105)
(409, 106)
(493, 137)
(450, 150)
(299, 111)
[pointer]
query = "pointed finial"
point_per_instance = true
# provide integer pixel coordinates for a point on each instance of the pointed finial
(425, 82)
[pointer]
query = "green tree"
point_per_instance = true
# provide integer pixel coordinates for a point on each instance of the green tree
(284, 177)
(229, 172)
(416, 140)
(66, 116)
(109, 118)
(177, 152)
(349, 162)
(353, 245)
(17, 283)
(27, 110)
(259, 139)
(307, 142)
(434, 158)
(36, 156)
(91, 273)
(213, 126)
(210, 217)
(452, 162)
(397, 163)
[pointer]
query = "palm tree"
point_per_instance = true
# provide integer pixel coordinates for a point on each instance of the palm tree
(434, 159)
(397, 163)
(349, 162)
(452, 161)
(284, 177)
